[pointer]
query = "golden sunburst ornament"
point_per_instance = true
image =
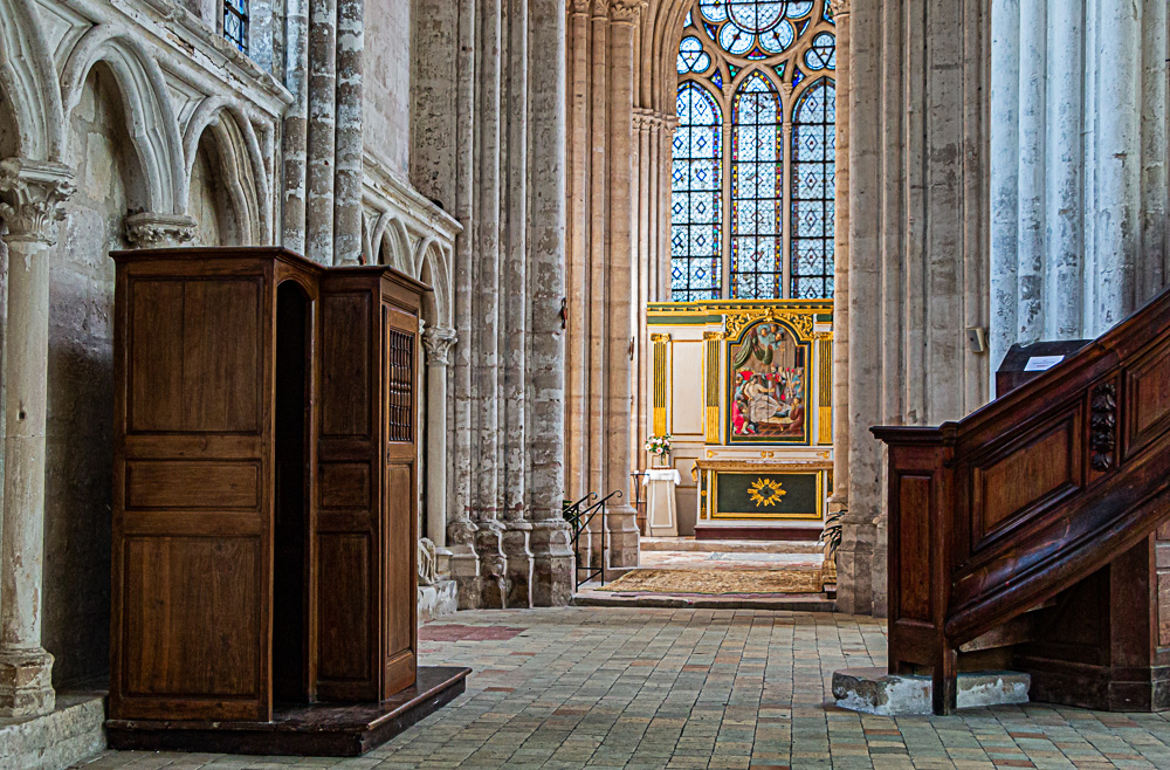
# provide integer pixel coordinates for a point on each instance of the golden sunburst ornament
(766, 492)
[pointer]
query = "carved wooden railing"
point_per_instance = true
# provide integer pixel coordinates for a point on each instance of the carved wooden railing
(999, 512)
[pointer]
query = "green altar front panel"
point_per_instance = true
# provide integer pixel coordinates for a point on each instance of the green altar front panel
(740, 495)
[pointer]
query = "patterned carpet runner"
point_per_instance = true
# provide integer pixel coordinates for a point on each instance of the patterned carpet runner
(717, 581)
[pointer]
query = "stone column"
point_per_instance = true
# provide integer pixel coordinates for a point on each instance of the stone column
(841, 423)
(148, 230)
(437, 343)
(321, 134)
(348, 150)
(31, 198)
(619, 299)
(296, 121)
(552, 558)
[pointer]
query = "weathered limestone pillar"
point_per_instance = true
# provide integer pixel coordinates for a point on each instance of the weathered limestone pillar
(348, 150)
(148, 230)
(552, 558)
(1077, 166)
(296, 122)
(321, 134)
(1117, 213)
(917, 274)
(31, 198)
(437, 343)
(839, 502)
(1004, 171)
(619, 295)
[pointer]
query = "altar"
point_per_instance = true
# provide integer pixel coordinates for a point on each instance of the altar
(744, 389)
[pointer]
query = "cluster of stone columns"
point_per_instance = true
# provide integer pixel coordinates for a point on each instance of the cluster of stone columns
(323, 139)
(912, 272)
(1077, 166)
(605, 267)
(488, 141)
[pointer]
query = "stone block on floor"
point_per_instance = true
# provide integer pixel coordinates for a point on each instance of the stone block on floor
(875, 691)
(70, 733)
(438, 600)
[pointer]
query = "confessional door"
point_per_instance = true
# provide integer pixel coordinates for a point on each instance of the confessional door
(192, 530)
(400, 373)
(367, 530)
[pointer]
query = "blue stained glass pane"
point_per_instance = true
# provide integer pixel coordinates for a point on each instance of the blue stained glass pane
(691, 57)
(235, 23)
(756, 194)
(735, 40)
(696, 182)
(778, 39)
(714, 10)
(813, 190)
(822, 54)
(755, 15)
(799, 8)
(717, 79)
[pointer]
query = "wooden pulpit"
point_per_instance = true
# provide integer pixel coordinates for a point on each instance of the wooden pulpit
(264, 518)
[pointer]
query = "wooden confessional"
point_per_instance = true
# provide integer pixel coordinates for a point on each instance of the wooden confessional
(264, 522)
(1034, 534)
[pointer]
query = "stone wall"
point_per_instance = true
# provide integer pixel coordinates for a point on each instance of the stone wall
(387, 104)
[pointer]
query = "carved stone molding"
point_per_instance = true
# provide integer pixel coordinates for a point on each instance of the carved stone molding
(437, 342)
(625, 11)
(152, 231)
(32, 198)
(645, 119)
(1103, 426)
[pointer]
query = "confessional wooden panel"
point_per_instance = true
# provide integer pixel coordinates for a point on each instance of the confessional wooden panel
(265, 505)
(367, 519)
(192, 529)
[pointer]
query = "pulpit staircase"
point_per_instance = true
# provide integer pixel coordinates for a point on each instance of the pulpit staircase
(1033, 533)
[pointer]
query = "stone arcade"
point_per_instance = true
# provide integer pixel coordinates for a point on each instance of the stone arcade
(997, 173)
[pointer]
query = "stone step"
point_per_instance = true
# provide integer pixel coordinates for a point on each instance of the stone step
(875, 691)
(587, 597)
(729, 546)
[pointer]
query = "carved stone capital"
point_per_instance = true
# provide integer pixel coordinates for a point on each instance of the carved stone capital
(579, 6)
(32, 198)
(437, 342)
(152, 231)
(840, 8)
(625, 11)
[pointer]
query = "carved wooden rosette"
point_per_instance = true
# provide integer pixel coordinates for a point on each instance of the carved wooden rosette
(1103, 426)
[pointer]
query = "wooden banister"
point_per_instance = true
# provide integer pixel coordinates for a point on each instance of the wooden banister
(1024, 498)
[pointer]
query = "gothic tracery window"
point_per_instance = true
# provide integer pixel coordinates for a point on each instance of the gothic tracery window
(235, 23)
(752, 178)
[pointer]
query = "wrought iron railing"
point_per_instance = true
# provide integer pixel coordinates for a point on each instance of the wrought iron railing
(580, 514)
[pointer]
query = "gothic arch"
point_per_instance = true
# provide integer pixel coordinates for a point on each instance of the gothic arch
(26, 78)
(431, 268)
(393, 244)
(150, 116)
(239, 147)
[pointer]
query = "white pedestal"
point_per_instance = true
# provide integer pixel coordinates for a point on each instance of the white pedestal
(661, 518)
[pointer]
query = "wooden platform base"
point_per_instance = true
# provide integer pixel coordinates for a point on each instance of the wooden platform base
(319, 730)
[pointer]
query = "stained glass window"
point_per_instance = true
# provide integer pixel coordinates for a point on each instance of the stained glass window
(696, 195)
(813, 185)
(756, 77)
(757, 194)
(235, 23)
